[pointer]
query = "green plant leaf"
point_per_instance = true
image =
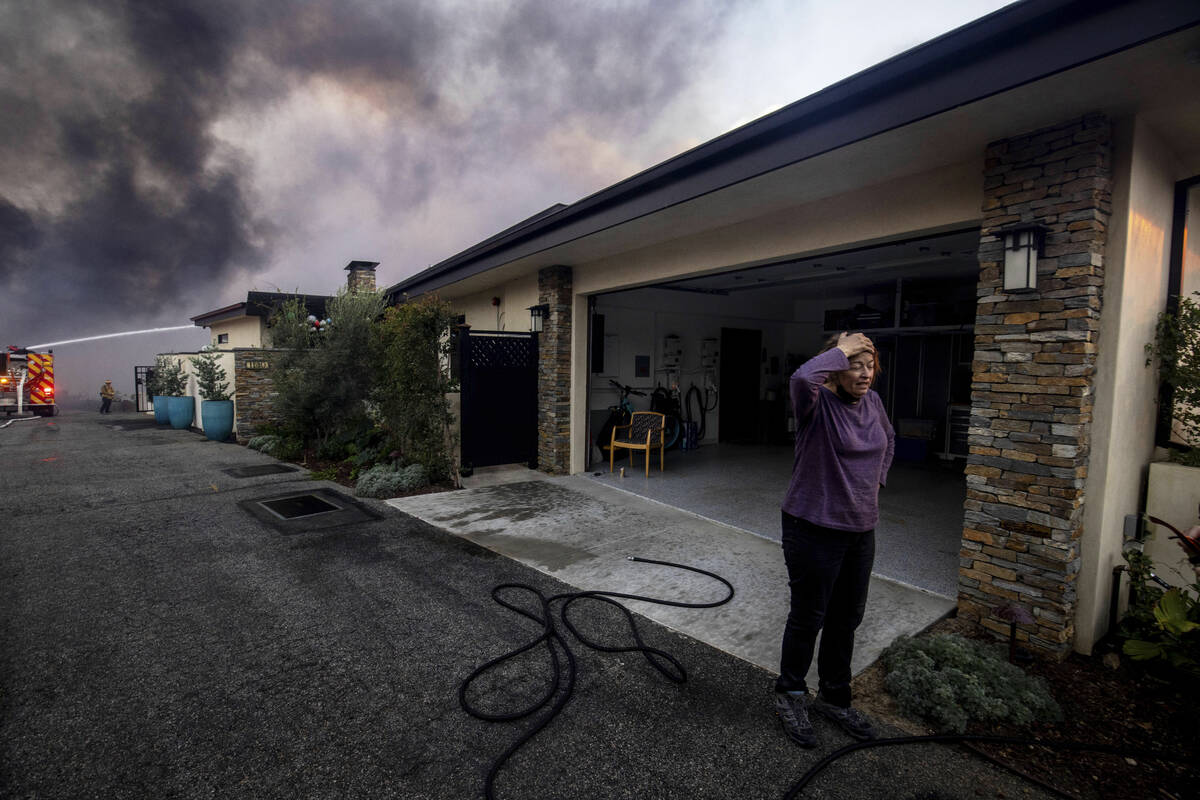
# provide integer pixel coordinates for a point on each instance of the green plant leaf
(1172, 613)
(1142, 651)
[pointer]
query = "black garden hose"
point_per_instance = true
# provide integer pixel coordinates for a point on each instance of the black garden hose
(670, 667)
(687, 405)
(962, 738)
(554, 640)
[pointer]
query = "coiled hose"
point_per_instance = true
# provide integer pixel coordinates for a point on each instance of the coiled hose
(553, 639)
(962, 738)
(674, 671)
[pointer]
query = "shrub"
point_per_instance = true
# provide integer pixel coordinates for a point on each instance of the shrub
(1161, 626)
(1176, 638)
(413, 345)
(323, 376)
(166, 378)
(327, 474)
(282, 447)
(264, 442)
(951, 681)
(210, 376)
(386, 481)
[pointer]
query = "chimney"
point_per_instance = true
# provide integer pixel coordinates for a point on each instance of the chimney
(362, 276)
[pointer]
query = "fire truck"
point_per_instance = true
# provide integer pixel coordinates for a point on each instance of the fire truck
(27, 382)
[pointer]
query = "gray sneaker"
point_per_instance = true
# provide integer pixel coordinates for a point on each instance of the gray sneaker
(792, 711)
(851, 720)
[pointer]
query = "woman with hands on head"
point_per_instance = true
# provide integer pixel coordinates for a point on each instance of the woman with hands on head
(844, 445)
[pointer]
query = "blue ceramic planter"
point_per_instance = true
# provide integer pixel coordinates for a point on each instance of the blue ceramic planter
(217, 418)
(181, 410)
(161, 413)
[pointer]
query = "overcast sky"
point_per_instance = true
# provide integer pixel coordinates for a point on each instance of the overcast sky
(160, 159)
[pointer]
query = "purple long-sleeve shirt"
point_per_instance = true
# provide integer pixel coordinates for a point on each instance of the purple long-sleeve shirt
(843, 450)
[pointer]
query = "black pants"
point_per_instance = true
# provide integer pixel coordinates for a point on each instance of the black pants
(105, 403)
(829, 573)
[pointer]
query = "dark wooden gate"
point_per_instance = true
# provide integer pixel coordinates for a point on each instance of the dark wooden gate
(499, 397)
(140, 396)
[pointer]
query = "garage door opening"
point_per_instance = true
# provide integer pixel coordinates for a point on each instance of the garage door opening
(724, 346)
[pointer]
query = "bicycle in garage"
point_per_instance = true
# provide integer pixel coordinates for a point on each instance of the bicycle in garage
(618, 414)
(666, 402)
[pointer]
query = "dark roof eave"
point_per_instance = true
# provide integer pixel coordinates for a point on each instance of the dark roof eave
(1006, 49)
(219, 315)
(264, 304)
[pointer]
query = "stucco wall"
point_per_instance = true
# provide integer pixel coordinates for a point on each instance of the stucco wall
(243, 332)
(944, 198)
(513, 312)
(1124, 415)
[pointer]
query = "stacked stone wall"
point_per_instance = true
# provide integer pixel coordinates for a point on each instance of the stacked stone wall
(554, 371)
(1034, 364)
(361, 280)
(254, 391)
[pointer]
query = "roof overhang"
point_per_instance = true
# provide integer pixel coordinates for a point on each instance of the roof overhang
(208, 319)
(1026, 66)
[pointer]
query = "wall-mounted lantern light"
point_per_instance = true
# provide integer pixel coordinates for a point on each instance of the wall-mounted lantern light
(537, 317)
(1022, 246)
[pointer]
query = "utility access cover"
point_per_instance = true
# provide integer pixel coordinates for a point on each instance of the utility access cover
(259, 469)
(301, 512)
(304, 505)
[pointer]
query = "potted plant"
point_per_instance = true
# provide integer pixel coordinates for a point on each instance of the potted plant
(180, 407)
(154, 391)
(167, 381)
(216, 408)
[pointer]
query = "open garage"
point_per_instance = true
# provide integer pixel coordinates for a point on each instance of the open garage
(723, 346)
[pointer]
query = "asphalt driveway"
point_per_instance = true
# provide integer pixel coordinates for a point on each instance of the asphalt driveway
(162, 636)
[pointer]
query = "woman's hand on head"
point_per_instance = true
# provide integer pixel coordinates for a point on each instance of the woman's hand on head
(854, 343)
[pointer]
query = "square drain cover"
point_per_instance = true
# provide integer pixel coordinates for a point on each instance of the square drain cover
(299, 511)
(304, 505)
(259, 469)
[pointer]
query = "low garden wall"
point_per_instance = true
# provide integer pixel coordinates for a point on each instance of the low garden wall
(253, 391)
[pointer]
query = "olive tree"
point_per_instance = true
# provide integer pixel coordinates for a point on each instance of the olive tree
(323, 371)
(412, 343)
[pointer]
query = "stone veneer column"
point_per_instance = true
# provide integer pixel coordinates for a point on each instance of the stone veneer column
(554, 372)
(253, 391)
(1031, 399)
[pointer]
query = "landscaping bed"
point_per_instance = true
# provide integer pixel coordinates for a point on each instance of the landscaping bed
(1111, 704)
(343, 472)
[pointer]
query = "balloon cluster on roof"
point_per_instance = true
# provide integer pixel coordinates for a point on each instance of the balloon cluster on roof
(321, 325)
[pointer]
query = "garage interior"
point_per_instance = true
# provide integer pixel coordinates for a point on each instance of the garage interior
(728, 342)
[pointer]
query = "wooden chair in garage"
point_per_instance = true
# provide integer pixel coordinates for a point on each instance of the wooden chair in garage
(644, 432)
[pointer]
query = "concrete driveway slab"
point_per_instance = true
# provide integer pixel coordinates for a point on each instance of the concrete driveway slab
(580, 531)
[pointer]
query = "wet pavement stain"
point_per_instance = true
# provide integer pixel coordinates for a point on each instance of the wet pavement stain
(548, 555)
(515, 502)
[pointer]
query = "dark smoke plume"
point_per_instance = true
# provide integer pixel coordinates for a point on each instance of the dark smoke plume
(121, 204)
